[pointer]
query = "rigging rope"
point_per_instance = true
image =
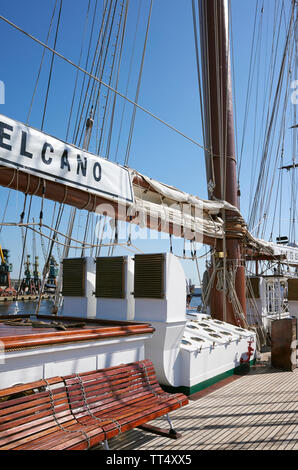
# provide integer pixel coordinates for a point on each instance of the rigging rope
(47, 264)
(102, 66)
(107, 86)
(127, 154)
(76, 126)
(249, 88)
(41, 63)
(24, 248)
(128, 78)
(5, 209)
(51, 68)
(262, 184)
(117, 80)
(77, 73)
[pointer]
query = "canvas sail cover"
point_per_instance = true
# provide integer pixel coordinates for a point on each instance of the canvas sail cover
(202, 217)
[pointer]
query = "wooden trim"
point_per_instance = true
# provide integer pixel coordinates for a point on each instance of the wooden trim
(94, 321)
(28, 337)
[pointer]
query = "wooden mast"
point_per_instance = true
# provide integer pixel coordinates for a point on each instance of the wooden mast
(220, 139)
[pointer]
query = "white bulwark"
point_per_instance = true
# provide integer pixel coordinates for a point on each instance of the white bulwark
(39, 154)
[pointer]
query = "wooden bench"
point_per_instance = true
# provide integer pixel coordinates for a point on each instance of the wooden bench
(79, 411)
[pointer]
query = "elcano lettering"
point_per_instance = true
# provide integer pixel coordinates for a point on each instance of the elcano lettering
(24, 145)
(45, 159)
(67, 161)
(81, 166)
(64, 160)
(4, 135)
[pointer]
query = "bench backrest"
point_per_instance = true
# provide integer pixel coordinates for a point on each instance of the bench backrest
(31, 408)
(30, 411)
(108, 389)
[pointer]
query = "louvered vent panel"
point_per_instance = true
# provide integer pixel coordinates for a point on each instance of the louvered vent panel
(149, 276)
(110, 277)
(255, 282)
(73, 277)
(293, 289)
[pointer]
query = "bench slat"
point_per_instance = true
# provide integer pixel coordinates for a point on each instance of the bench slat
(39, 410)
(64, 437)
(102, 397)
(26, 387)
(109, 404)
(29, 432)
(12, 406)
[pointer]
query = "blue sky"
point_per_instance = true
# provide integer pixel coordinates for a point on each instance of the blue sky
(169, 89)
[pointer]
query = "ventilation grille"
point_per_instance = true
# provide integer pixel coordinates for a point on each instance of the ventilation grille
(292, 289)
(110, 277)
(149, 276)
(255, 281)
(74, 277)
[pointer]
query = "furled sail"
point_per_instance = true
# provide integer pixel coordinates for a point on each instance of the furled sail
(38, 164)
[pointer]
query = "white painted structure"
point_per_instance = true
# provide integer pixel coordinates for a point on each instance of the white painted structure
(211, 348)
(272, 303)
(119, 309)
(184, 353)
(103, 308)
(168, 317)
(83, 306)
(28, 365)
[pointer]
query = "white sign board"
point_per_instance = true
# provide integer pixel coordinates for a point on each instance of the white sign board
(41, 155)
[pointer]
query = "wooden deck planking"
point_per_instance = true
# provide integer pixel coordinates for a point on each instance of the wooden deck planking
(276, 417)
(275, 434)
(234, 419)
(256, 412)
(248, 419)
(289, 429)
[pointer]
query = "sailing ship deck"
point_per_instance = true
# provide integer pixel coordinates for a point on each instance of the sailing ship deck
(257, 411)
